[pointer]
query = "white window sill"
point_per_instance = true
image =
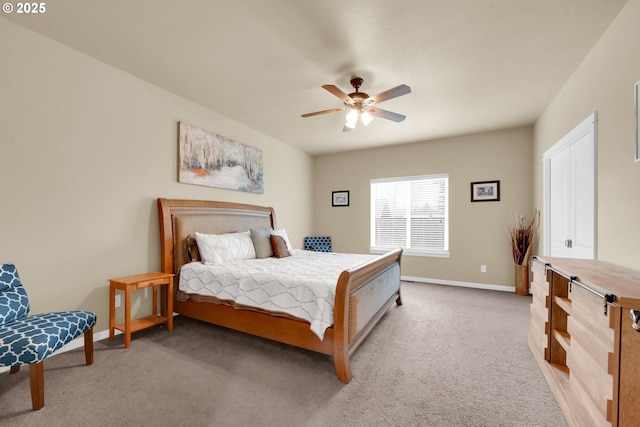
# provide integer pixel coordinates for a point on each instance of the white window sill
(412, 252)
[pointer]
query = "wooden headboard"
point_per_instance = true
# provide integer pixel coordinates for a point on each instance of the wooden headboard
(180, 219)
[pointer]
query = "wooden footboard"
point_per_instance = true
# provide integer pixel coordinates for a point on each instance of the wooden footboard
(363, 294)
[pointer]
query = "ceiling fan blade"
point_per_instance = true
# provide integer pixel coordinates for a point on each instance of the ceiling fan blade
(379, 112)
(347, 129)
(337, 92)
(317, 113)
(390, 94)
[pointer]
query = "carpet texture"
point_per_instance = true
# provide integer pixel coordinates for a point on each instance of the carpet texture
(448, 357)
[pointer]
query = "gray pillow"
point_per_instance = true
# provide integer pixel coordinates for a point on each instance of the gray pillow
(261, 242)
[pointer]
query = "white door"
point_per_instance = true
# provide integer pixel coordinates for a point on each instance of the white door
(560, 199)
(570, 209)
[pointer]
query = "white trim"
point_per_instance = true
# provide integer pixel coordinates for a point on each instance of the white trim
(586, 127)
(459, 284)
(373, 183)
(583, 128)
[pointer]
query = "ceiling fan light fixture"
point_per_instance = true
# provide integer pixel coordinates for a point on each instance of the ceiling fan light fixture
(352, 119)
(366, 118)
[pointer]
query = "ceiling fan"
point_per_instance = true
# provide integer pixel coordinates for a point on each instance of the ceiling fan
(361, 105)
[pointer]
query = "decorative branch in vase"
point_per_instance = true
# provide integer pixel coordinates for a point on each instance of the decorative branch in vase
(522, 234)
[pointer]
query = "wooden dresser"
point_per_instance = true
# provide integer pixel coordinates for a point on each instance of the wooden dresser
(583, 337)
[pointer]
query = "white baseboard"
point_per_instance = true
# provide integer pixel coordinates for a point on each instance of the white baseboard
(460, 284)
(98, 336)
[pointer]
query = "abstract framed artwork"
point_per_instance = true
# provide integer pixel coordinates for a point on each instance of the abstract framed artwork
(340, 198)
(485, 191)
(213, 160)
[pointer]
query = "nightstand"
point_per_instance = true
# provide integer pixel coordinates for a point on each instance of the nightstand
(132, 283)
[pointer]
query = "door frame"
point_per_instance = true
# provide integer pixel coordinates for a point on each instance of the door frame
(586, 127)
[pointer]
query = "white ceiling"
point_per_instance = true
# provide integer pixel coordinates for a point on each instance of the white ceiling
(472, 65)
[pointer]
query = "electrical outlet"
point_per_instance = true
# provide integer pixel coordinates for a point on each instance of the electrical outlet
(118, 302)
(483, 268)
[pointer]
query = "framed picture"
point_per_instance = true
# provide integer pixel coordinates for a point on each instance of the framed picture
(485, 191)
(206, 158)
(339, 198)
(637, 115)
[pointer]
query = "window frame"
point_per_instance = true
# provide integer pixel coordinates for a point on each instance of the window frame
(444, 253)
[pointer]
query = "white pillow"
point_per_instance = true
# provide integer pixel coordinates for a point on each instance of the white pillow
(219, 248)
(283, 233)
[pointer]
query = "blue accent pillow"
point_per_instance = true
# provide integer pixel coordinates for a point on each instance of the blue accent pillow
(318, 243)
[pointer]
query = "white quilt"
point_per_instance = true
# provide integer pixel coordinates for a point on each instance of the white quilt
(302, 285)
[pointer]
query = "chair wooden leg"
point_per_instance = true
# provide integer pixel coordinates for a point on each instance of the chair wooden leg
(88, 346)
(36, 377)
(14, 369)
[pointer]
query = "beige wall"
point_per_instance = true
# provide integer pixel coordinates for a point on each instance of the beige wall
(85, 150)
(604, 83)
(478, 231)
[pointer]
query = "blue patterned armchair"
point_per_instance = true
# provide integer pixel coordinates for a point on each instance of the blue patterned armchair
(28, 340)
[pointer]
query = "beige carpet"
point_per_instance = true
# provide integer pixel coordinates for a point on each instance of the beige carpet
(448, 357)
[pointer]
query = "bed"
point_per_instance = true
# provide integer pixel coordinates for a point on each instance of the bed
(363, 294)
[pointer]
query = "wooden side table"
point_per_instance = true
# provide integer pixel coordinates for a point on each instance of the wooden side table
(132, 283)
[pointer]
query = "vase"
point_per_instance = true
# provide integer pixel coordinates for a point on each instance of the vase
(522, 279)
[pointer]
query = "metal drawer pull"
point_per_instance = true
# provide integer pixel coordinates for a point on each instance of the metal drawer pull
(635, 318)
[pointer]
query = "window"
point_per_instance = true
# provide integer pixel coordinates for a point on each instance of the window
(412, 213)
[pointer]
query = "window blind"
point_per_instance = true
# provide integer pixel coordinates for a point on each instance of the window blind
(411, 213)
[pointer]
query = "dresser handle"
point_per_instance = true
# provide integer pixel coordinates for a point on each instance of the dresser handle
(635, 318)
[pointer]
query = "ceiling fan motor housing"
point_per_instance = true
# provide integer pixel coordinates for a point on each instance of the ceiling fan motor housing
(356, 82)
(358, 97)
